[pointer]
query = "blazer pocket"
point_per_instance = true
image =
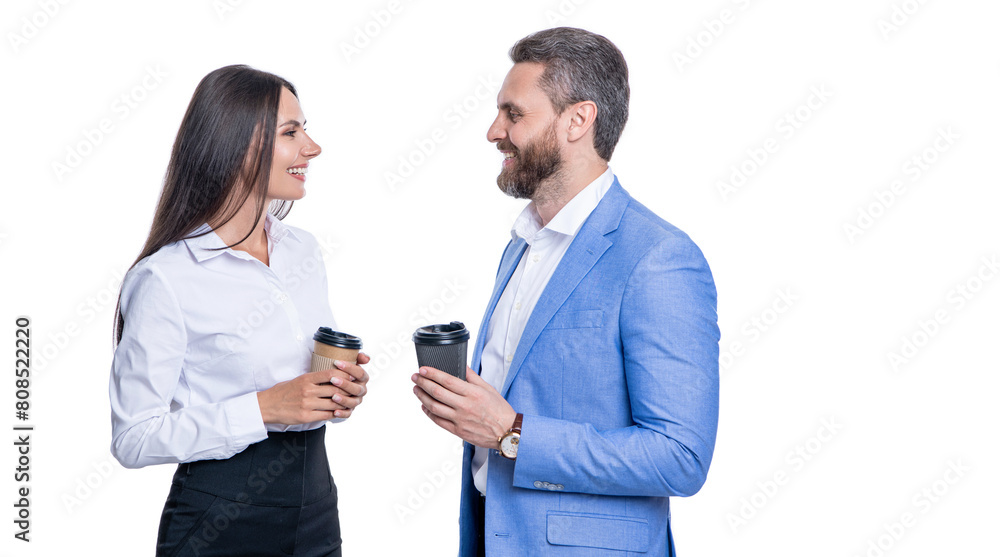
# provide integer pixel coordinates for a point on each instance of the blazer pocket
(596, 530)
(580, 319)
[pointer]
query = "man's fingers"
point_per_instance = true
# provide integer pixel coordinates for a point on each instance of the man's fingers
(425, 399)
(446, 380)
(474, 378)
(441, 422)
(435, 390)
(430, 403)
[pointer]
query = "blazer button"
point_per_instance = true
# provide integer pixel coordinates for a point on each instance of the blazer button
(538, 484)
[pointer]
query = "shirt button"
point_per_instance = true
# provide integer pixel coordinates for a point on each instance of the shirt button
(536, 258)
(298, 338)
(517, 306)
(510, 358)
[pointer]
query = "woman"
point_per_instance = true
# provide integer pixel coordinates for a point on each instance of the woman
(214, 331)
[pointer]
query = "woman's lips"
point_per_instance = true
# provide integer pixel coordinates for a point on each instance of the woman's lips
(298, 172)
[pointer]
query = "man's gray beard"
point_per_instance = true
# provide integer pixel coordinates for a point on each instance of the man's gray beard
(536, 171)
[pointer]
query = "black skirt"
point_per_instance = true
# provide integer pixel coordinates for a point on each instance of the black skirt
(277, 497)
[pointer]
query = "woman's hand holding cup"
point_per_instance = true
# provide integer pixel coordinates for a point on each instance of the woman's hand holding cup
(333, 388)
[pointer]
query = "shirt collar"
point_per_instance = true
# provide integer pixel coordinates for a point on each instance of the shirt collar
(205, 244)
(570, 218)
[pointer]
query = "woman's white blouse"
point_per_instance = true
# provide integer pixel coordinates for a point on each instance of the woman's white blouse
(205, 330)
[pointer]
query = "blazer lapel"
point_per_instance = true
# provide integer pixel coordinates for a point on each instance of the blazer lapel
(587, 248)
(508, 263)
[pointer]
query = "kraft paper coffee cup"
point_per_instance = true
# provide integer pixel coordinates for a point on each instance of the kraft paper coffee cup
(333, 345)
(443, 347)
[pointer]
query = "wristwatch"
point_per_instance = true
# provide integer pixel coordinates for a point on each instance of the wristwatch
(509, 441)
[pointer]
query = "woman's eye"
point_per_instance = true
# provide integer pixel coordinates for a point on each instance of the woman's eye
(290, 133)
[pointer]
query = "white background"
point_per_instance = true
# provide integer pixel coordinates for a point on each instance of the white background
(875, 440)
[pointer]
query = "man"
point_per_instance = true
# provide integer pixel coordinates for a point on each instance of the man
(598, 398)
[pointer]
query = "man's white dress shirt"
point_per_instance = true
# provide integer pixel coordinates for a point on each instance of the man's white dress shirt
(205, 330)
(546, 247)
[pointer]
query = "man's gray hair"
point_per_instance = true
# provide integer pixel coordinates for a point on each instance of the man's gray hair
(581, 66)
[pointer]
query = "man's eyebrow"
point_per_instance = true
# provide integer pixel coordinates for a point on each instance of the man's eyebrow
(510, 106)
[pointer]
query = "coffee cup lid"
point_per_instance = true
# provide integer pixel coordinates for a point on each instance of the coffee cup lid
(328, 336)
(451, 333)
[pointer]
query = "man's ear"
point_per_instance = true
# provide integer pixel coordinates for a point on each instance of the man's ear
(582, 117)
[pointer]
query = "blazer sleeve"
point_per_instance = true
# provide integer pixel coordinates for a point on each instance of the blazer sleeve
(670, 350)
(146, 370)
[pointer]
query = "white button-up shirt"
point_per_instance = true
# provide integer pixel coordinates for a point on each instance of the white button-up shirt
(205, 330)
(546, 247)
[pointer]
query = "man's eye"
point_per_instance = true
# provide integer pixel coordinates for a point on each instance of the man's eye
(514, 116)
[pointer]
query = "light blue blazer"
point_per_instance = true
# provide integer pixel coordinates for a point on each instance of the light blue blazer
(617, 375)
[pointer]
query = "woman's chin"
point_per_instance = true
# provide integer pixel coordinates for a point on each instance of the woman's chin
(287, 194)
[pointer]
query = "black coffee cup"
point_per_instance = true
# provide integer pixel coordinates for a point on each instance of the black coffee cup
(443, 347)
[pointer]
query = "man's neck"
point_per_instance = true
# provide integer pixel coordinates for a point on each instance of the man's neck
(551, 199)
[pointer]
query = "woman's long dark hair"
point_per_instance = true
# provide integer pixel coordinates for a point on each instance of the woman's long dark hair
(220, 160)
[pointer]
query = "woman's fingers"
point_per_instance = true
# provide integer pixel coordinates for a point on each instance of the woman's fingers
(315, 396)
(352, 388)
(355, 371)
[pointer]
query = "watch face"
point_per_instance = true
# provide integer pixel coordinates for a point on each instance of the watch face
(508, 445)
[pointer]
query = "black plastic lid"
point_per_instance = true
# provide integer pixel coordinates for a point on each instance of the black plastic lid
(328, 336)
(437, 335)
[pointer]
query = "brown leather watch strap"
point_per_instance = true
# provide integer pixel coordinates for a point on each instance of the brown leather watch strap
(517, 423)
